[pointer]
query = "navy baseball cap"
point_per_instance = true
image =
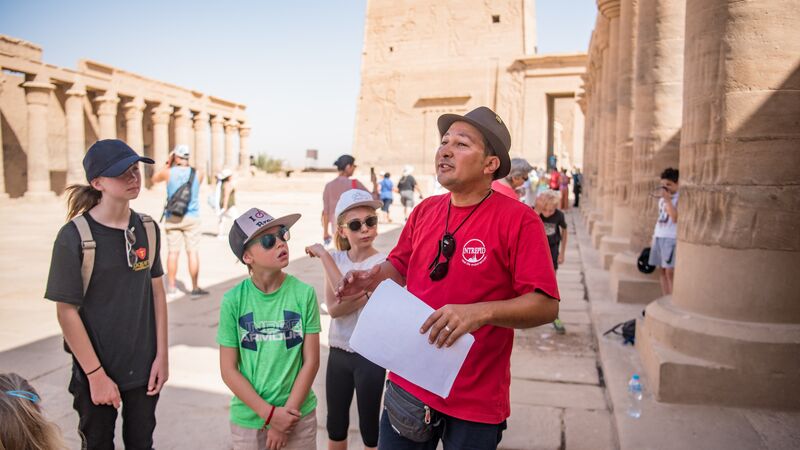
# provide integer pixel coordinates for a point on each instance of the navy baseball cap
(110, 158)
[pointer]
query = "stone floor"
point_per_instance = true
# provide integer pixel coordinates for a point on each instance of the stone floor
(559, 393)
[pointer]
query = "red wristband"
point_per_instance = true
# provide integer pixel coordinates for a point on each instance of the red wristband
(269, 417)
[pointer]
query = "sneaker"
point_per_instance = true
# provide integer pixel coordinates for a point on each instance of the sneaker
(559, 326)
(197, 292)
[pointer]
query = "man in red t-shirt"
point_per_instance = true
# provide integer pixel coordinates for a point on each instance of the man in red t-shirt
(481, 260)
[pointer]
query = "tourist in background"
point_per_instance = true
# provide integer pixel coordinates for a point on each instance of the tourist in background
(115, 326)
(387, 190)
(665, 233)
(182, 230)
(347, 370)
(577, 186)
(555, 228)
(406, 187)
(563, 187)
(224, 201)
(516, 177)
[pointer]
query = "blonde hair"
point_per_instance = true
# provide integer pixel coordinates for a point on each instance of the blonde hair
(341, 242)
(81, 198)
(550, 196)
(22, 424)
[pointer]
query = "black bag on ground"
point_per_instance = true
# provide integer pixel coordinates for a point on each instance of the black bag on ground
(628, 331)
(178, 203)
(408, 416)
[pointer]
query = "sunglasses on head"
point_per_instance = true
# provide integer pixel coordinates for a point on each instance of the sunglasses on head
(269, 240)
(356, 224)
(130, 239)
(447, 247)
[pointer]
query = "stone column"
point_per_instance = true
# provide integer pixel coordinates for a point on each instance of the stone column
(730, 333)
(183, 128)
(244, 150)
(134, 112)
(596, 175)
(3, 193)
(231, 152)
(217, 143)
(160, 119)
(610, 10)
(37, 96)
(76, 134)
(618, 240)
(201, 143)
(107, 115)
(658, 100)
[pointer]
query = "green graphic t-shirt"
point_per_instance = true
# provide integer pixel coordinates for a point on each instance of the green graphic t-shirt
(268, 330)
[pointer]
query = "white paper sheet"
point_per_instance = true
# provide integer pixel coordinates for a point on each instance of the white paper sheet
(388, 334)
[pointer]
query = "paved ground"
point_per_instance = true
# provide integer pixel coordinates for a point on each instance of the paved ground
(559, 395)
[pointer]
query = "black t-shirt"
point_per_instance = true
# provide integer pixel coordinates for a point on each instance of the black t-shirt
(552, 227)
(406, 183)
(118, 310)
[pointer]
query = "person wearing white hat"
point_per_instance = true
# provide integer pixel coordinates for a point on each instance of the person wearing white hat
(224, 200)
(356, 230)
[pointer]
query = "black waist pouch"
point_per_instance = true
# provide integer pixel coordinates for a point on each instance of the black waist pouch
(408, 416)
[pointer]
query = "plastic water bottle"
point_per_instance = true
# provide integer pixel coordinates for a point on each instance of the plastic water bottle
(635, 397)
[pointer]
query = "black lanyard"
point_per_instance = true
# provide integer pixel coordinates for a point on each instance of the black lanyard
(450, 203)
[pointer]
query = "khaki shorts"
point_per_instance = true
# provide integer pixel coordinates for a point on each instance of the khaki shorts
(187, 230)
(303, 437)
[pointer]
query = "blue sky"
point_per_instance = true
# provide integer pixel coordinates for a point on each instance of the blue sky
(295, 64)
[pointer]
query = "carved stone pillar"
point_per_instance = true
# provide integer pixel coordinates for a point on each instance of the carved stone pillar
(37, 96)
(134, 112)
(76, 134)
(201, 143)
(183, 130)
(231, 152)
(610, 10)
(3, 193)
(730, 333)
(244, 150)
(217, 143)
(658, 102)
(107, 115)
(595, 177)
(160, 119)
(619, 239)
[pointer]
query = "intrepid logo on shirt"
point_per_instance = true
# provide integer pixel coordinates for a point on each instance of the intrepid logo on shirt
(474, 252)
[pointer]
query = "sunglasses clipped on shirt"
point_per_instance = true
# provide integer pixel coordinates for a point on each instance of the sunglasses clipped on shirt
(130, 240)
(269, 240)
(447, 247)
(356, 224)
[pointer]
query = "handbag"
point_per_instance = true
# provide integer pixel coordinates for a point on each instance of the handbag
(409, 417)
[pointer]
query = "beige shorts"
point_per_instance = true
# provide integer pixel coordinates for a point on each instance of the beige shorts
(303, 437)
(187, 230)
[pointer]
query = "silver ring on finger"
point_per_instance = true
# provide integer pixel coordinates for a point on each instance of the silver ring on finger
(448, 329)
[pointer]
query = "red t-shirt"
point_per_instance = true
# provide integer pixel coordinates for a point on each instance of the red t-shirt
(501, 253)
(504, 189)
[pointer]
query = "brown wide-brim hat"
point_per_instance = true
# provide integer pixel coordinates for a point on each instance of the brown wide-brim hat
(492, 128)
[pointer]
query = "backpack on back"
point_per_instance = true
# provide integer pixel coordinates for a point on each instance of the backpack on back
(178, 202)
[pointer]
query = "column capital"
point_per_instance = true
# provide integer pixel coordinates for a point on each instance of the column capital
(37, 92)
(231, 125)
(609, 8)
(200, 120)
(244, 131)
(76, 90)
(161, 114)
(107, 104)
(182, 112)
(217, 120)
(134, 108)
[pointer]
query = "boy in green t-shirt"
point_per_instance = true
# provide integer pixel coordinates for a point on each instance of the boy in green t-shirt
(269, 340)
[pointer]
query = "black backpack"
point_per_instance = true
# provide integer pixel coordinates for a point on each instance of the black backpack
(628, 331)
(178, 203)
